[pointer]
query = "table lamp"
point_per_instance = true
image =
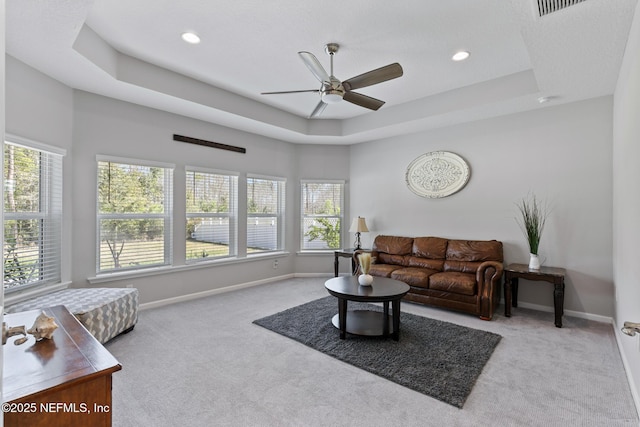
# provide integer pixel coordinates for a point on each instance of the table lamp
(358, 226)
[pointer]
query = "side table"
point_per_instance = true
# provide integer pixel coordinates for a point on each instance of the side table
(345, 253)
(553, 275)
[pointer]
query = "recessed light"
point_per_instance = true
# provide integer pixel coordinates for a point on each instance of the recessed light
(460, 56)
(191, 38)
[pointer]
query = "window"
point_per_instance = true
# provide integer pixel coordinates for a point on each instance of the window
(134, 215)
(32, 216)
(211, 215)
(265, 214)
(321, 215)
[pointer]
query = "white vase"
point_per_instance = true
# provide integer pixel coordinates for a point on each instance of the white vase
(365, 279)
(534, 262)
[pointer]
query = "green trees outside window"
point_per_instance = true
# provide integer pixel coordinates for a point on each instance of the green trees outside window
(321, 217)
(211, 204)
(134, 215)
(32, 216)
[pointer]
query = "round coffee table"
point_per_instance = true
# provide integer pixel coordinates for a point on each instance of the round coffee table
(367, 322)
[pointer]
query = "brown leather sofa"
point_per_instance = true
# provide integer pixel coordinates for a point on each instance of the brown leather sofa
(463, 275)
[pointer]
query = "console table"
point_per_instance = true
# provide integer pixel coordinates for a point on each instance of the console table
(553, 275)
(61, 381)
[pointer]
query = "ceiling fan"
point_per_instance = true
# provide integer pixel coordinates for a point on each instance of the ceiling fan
(333, 90)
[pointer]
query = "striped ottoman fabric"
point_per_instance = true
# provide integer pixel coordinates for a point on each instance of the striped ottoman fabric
(105, 312)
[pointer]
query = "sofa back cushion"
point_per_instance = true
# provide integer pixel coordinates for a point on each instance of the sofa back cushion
(474, 250)
(461, 266)
(466, 255)
(430, 247)
(393, 245)
(432, 264)
(385, 258)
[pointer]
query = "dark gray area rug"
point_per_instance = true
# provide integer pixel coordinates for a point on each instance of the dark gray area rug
(437, 358)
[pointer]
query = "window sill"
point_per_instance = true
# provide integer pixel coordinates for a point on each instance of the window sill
(23, 295)
(312, 253)
(124, 275)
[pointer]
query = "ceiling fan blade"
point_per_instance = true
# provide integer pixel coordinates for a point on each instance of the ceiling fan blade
(290, 91)
(314, 65)
(318, 110)
(373, 77)
(363, 100)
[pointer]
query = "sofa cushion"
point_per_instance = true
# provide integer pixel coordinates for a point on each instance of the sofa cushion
(393, 244)
(455, 282)
(429, 247)
(461, 266)
(384, 258)
(474, 250)
(383, 270)
(433, 264)
(418, 277)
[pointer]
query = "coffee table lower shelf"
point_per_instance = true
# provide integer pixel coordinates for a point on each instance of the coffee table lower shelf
(366, 322)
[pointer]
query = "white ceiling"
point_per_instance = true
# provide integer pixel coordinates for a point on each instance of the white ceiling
(132, 50)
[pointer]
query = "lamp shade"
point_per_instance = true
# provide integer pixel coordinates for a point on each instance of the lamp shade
(358, 226)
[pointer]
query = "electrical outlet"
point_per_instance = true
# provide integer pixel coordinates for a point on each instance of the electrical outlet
(275, 264)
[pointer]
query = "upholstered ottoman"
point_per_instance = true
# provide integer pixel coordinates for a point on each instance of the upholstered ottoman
(105, 312)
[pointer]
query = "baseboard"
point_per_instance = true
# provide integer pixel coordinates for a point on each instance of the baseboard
(188, 297)
(627, 369)
(572, 313)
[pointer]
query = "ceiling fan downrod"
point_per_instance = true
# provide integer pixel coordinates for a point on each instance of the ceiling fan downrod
(331, 49)
(333, 91)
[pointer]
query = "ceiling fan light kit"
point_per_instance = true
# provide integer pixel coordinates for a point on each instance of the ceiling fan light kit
(333, 90)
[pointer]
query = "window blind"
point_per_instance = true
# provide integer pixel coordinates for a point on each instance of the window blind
(134, 216)
(211, 205)
(32, 216)
(321, 215)
(265, 214)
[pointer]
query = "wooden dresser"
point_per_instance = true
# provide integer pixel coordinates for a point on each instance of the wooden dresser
(65, 381)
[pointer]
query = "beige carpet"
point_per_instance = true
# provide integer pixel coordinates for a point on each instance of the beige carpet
(204, 363)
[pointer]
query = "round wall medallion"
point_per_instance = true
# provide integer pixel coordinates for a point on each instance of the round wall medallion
(437, 174)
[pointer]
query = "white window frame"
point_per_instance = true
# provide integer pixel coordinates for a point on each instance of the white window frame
(49, 265)
(279, 215)
(166, 215)
(304, 247)
(232, 214)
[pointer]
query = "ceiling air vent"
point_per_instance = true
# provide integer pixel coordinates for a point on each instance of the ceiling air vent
(546, 7)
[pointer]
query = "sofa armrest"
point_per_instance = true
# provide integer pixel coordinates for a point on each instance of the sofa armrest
(357, 261)
(357, 252)
(488, 276)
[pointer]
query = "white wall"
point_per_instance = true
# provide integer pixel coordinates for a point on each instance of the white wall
(44, 110)
(323, 162)
(41, 109)
(626, 200)
(109, 127)
(561, 153)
